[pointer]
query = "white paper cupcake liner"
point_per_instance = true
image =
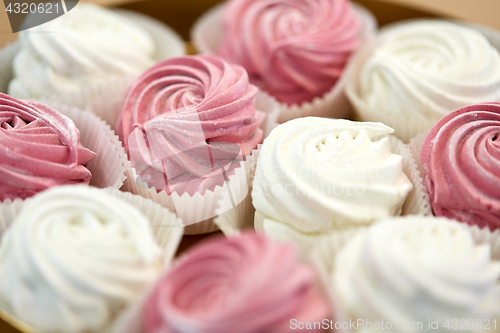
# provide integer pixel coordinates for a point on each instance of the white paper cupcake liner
(165, 226)
(207, 35)
(106, 98)
(417, 201)
(486, 236)
(415, 147)
(232, 219)
(109, 167)
(323, 257)
(405, 127)
(414, 204)
(197, 212)
(7, 55)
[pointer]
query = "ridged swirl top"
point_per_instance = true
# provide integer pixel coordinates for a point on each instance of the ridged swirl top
(295, 50)
(416, 269)
(461, 158)
(39, 148)
(426, 69)
(318, 174)
(244, 284)
(89, 44)
(74, 258)
(198, 115)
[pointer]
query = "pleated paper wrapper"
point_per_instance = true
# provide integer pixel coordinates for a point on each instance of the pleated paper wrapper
(415, 146)
(234, 221)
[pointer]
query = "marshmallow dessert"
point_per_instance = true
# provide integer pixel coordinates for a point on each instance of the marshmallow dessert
(245, 283)
(299, 49)
(416, 72)
(317, 175)
(92, 44)
(199, 118)
(74, 258)
(296, 51)
(86, 48)
(416, 270)
(461, 160)
(39, 148)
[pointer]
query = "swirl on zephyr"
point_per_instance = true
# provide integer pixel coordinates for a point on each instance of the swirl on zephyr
(461, 158)
(198, 115)
(86, 46)
(414, 268)
(316, 175)
(39, 148)
(246, 283)
(74, 258)
(426, 69)
(295, 50)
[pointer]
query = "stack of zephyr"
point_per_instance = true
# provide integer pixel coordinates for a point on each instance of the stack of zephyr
(351, 174)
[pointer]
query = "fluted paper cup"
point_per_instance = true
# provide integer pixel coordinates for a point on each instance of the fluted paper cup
(415, 146)
(416, 202)
(196, 212)
(207, 35)
(109, 167)
(233, 218)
